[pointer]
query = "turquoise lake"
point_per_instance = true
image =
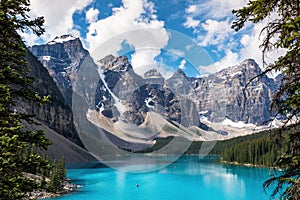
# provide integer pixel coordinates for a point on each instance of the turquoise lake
(188, 178)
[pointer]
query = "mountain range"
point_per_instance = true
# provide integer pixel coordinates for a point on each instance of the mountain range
(137, 109)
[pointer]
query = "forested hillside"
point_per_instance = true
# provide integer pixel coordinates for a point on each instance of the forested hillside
(257, 149)
(263, 150)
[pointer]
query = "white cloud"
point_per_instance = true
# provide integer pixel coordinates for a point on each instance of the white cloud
(230, 59)
(217, 32)
(250, 46)
(217, 17)
(29, 37)
(182, 64)
(176, 53)
(142, 60)
(250, 43)
(188, 47)
(134, 22)
(92, 15)
(57, 14)
(191, 23)
(191, 9)
(215, 9)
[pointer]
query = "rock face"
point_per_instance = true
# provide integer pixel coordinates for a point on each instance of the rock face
(62, 57)
(120, 94)
(225, 94)
(121, 85)
(153, 97)
(57, 115)
(154, 77)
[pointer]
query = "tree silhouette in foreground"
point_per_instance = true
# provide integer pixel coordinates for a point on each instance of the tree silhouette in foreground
(282, 30)
(19, 160)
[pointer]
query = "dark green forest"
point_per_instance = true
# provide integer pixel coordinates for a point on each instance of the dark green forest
(262, 148)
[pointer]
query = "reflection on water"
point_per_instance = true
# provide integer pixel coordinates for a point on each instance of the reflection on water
(187, 178)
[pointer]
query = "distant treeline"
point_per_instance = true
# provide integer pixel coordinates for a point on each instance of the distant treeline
(260, 148)
(263, 150)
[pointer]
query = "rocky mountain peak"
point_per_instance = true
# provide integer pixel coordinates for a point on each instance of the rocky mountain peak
(251, 66)
(179, 72)
(248, 67)
(123, 94)
(62, 57)
(225, 94)
(117, 64)
(179, 77)
(152, 73)
(154, 77)
(107, 60)
(62, 39)
(243, 72)
(250, 62)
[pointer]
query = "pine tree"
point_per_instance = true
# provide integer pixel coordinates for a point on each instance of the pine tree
(17, 145)
(281, 31)
(57, 176)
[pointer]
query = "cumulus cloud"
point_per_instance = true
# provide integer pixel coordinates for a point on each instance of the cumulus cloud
(217, 32)
(58, 17)
(250, 43)
(182, 64)
(92, 15)
(250, 46)
(211, 22)
(230, 59)
(215, 9)
(134, 22)
(191, 9)
(175, 54)
(143, 60)
(29, 37)
(191, 23)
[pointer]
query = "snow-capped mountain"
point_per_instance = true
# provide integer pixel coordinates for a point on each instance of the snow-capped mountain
(121, 85)
(201, 107)
(62, 57)
(226, 94)
(220, 98)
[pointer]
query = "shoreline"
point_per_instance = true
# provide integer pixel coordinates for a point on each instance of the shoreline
(243, 164)
(249, 165)
(68, 188)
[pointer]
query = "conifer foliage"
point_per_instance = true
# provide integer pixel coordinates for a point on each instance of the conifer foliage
(18, 146)
(282, 30)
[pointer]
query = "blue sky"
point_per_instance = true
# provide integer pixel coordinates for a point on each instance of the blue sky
(193, 35)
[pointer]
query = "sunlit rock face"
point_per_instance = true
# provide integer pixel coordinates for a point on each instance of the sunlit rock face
(62, 57)
(225, 94)
(119, 94)
(139, 95)
(231, 94)
(56, 114)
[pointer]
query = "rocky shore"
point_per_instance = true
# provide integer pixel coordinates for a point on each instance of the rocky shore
(43, 194)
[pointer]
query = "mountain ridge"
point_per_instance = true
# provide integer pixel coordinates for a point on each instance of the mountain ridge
(54, 117)
(121, 94)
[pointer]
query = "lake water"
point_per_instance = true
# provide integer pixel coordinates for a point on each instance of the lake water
(187, 178)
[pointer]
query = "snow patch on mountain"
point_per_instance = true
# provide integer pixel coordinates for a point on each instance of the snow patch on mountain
(62, 39)
(46, 58)
(118, 104)
(239, 124)
(149, 103)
